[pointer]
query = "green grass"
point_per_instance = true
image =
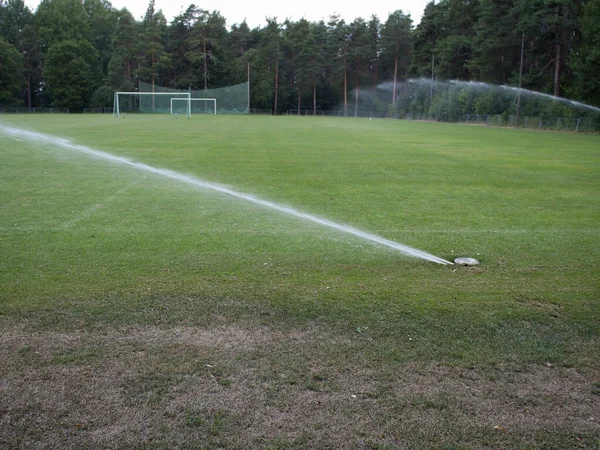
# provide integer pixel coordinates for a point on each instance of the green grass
(104, 242)
(86, 244)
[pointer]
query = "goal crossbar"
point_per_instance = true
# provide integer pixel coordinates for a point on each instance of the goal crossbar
(187, 98)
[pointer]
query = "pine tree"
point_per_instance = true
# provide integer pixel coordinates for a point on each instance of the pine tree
(10, 77)
(270, 52)
(124, 52)
(359, 55)
(102, 18)
(397, 46)
(18, 28)
(586, 61)
(181, 73)
(152, 56)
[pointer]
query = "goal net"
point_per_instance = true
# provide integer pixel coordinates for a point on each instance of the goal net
(150, 102)
(229, 100)
(157, 100)
(198, 105)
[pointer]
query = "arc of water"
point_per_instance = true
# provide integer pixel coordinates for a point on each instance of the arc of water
(525, 91)
(65, 143)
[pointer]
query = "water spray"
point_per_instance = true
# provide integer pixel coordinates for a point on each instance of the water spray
(516, 90)
(35, 137)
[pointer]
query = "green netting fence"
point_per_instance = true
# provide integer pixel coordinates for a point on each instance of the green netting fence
(228, 100)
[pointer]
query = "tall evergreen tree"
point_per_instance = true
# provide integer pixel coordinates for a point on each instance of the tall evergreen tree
(11, 79)
(124, 51)
(207, 47)
(271, 53)
(298, 47)
(338, 49)
(360, 51)
(455, 48)
(551, 28)
(316, 58)
(375, 48)
(152, 56)
(241, 40)
(18, 28)
(497, 42)
(586, 60)
(14, 17)
(102, 18)
(425, 38)
(397, 45)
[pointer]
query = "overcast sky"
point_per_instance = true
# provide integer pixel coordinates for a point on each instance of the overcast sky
(255, 11)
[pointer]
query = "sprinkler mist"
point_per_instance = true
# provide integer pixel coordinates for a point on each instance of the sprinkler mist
(516, 90)
(481, 86)
(18, 133)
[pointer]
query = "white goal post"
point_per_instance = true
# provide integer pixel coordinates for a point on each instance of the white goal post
(214, 100)
(187, 98)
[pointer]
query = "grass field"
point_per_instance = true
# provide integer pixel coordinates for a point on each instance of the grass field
(138, 311)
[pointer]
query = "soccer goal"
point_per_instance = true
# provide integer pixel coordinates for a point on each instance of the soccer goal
(149, 102)
(210, 105)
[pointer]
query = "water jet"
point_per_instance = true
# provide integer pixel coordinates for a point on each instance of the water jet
(17, 133)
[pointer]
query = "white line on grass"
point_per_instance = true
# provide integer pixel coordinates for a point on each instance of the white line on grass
(92, 209)
(65, 143)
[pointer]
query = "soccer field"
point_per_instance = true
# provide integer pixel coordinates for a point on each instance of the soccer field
(141, 310)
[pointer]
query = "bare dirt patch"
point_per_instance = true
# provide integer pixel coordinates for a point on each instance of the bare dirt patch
(240, 386)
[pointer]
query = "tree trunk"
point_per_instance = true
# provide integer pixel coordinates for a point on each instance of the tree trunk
(557, 71)
(375, 74)
(276, 86)
(395, 76)
(356, 102)
(314, 99)
(205, 58)
(298, 100)
(153, 82)
(139, 87)
(29, 89)
(345, 91)
(129, 70)
(520, 76)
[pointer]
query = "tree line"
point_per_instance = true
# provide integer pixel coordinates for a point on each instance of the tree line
(76, 54)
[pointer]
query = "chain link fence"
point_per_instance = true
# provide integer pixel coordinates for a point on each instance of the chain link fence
(268, 112)
(99, 110)
(533, 122)
(581, 124)
(34, 110)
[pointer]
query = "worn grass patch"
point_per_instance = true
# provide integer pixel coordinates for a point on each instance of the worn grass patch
(287, 389)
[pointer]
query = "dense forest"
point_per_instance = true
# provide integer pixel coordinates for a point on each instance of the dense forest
(75, 54)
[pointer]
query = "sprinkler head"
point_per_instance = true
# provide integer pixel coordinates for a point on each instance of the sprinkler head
(466, 262)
